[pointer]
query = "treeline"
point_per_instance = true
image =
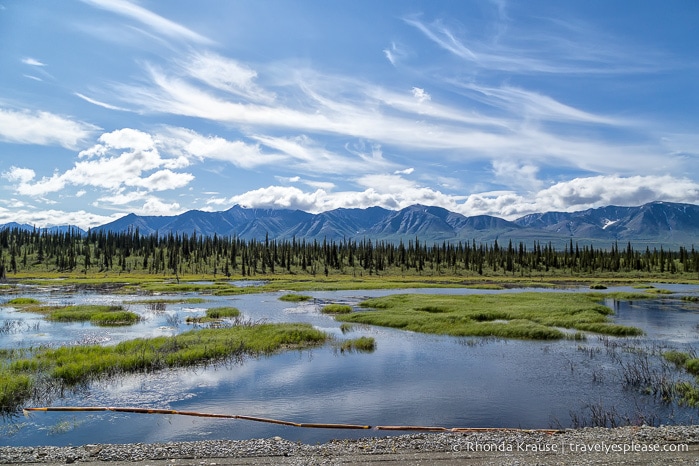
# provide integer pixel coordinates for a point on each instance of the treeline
(182, 254)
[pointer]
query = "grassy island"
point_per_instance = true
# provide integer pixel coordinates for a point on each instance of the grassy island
(31, 371)
(536, 316)
(96, 314)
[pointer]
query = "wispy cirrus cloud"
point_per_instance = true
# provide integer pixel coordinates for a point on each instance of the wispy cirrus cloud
(99, 103)
(152, 20)
(190, 144)
(530, 104)
(502, 121)
(227, 75)
(32, 62)
(395, 53)
(564, 48)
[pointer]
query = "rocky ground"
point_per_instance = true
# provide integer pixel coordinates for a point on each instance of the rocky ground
(627, 445)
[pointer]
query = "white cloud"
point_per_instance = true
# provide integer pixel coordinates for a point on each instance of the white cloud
(21, 175)
(155, 206)
(42, 128)
(530, 104)
(420, 95)
(32, 62)
(583, 193)
(523, 176)
(560, 48)
(386, 190)
(49, 218)
(123, 158)
(407, 171)
(192, 144)
(309, 155)
(281, 197)
(395, 53)
(99, 103)
(227, 75)
(323, 106)
(154, 21)
(395, 192)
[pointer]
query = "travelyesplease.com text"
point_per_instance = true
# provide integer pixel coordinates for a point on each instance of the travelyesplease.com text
(570, 447)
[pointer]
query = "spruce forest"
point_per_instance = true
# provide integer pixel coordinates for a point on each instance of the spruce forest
(39, 251)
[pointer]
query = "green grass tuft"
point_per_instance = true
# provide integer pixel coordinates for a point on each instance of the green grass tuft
(336, 309)
(295, 298)
(678, 358)
(23, 301)
(102, 315)
(361, 344)
(114, 318)
(222, 312)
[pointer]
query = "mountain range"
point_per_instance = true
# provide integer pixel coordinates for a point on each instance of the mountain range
(653, 224)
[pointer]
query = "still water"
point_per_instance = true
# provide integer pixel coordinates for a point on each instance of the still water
(410, 379)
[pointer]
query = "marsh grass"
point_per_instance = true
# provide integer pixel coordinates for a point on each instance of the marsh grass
(23, 301)
(13, 388)
(214, 314)
(222, 312)
(102, 315)
(167, 301)
(658, 291)
(23, 373)
(687, 361)
(536, 316)
(686, 392)
(361, 345)
(295, 298)
(346, 328)
(336, 309)
(114, 318)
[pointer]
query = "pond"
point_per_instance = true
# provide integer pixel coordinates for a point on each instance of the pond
(410, 379)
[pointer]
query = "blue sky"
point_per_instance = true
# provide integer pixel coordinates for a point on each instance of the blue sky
(495, 107)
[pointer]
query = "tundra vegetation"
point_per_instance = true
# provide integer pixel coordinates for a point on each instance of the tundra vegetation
(536, 316)
(35, 372)
(103, 315)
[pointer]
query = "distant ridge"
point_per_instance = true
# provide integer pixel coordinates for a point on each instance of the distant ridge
(653, 224)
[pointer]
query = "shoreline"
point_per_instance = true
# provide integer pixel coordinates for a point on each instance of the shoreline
(630, 445)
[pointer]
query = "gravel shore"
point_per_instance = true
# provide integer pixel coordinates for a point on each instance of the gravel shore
(625, 445)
